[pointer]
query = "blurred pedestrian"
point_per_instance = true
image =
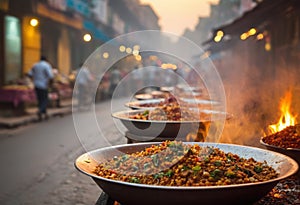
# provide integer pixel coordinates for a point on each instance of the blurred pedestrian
(42, 76)
(83, 80)
(115, 78)
(54, 90)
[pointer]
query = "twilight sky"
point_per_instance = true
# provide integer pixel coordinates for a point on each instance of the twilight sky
(177, 15)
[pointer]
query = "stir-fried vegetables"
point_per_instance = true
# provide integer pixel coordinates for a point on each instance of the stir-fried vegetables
(170, 112)
(173, 163)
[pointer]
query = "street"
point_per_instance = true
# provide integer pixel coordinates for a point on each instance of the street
(38, 159)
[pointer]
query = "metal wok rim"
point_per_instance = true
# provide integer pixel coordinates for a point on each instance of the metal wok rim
(276, 147)
(137, 104)
(199, 101)
(118, 115)
(289, 173)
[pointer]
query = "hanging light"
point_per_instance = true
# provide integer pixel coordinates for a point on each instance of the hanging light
(260, 36)
(217, 39)
(219, 36)
(244, 36)
(252, 32)
(220, 33)
(138, 57)
(87, 37)
(34, 22)
(268, 46)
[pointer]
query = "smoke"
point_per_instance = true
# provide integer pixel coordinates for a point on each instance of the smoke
(253, 94)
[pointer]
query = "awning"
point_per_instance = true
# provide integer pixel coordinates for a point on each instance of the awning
(256, 17)
(97, 33)
(259, 17)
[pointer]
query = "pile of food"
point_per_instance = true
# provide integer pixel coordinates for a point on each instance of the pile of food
(287, 138)
(173, 163)
(170, 112)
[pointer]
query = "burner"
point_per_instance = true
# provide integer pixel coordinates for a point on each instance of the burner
(132, 138)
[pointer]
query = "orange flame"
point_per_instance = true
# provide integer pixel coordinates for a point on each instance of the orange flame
(286, 119)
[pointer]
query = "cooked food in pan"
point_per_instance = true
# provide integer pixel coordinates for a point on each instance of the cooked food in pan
(170, 112)
(287, 138)
(173, 163)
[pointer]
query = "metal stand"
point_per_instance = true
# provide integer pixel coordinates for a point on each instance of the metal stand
(104, 199)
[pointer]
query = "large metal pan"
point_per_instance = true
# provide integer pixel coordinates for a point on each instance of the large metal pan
(145, 104)
(136, 194)
(155, 128)
(291, 152)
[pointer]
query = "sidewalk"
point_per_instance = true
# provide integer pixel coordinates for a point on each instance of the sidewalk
(31, 116)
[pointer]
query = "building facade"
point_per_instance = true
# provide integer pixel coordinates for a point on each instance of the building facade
(55, 28)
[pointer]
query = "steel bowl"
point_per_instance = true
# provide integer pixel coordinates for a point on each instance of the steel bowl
(136, 194)
(154, 128)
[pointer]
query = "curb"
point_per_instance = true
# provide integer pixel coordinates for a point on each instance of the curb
(14, 122)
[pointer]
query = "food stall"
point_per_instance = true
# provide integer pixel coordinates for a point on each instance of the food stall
(173, 153)
(13, 99)
(206, 169)
(16, 97)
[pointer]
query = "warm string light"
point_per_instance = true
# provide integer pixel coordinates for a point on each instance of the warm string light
(260, 36)
(219, 36)
(135, 51)
(250, 32)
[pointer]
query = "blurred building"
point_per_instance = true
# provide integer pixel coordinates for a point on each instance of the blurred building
(55, 28)
(266, 37)
(222, 13)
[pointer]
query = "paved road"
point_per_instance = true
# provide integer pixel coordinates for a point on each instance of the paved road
(37, 160)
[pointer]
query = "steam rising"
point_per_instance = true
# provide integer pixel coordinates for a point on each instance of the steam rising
(253, 95)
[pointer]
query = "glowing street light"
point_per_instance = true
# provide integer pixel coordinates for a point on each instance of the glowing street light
(87, 37)
(34, 22)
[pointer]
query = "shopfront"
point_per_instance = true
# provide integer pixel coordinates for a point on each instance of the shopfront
(12, 48)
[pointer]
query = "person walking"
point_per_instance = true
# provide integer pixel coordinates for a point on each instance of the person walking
(41, 73)
(83, 79)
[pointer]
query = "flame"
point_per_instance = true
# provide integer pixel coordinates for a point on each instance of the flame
(286, 119)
